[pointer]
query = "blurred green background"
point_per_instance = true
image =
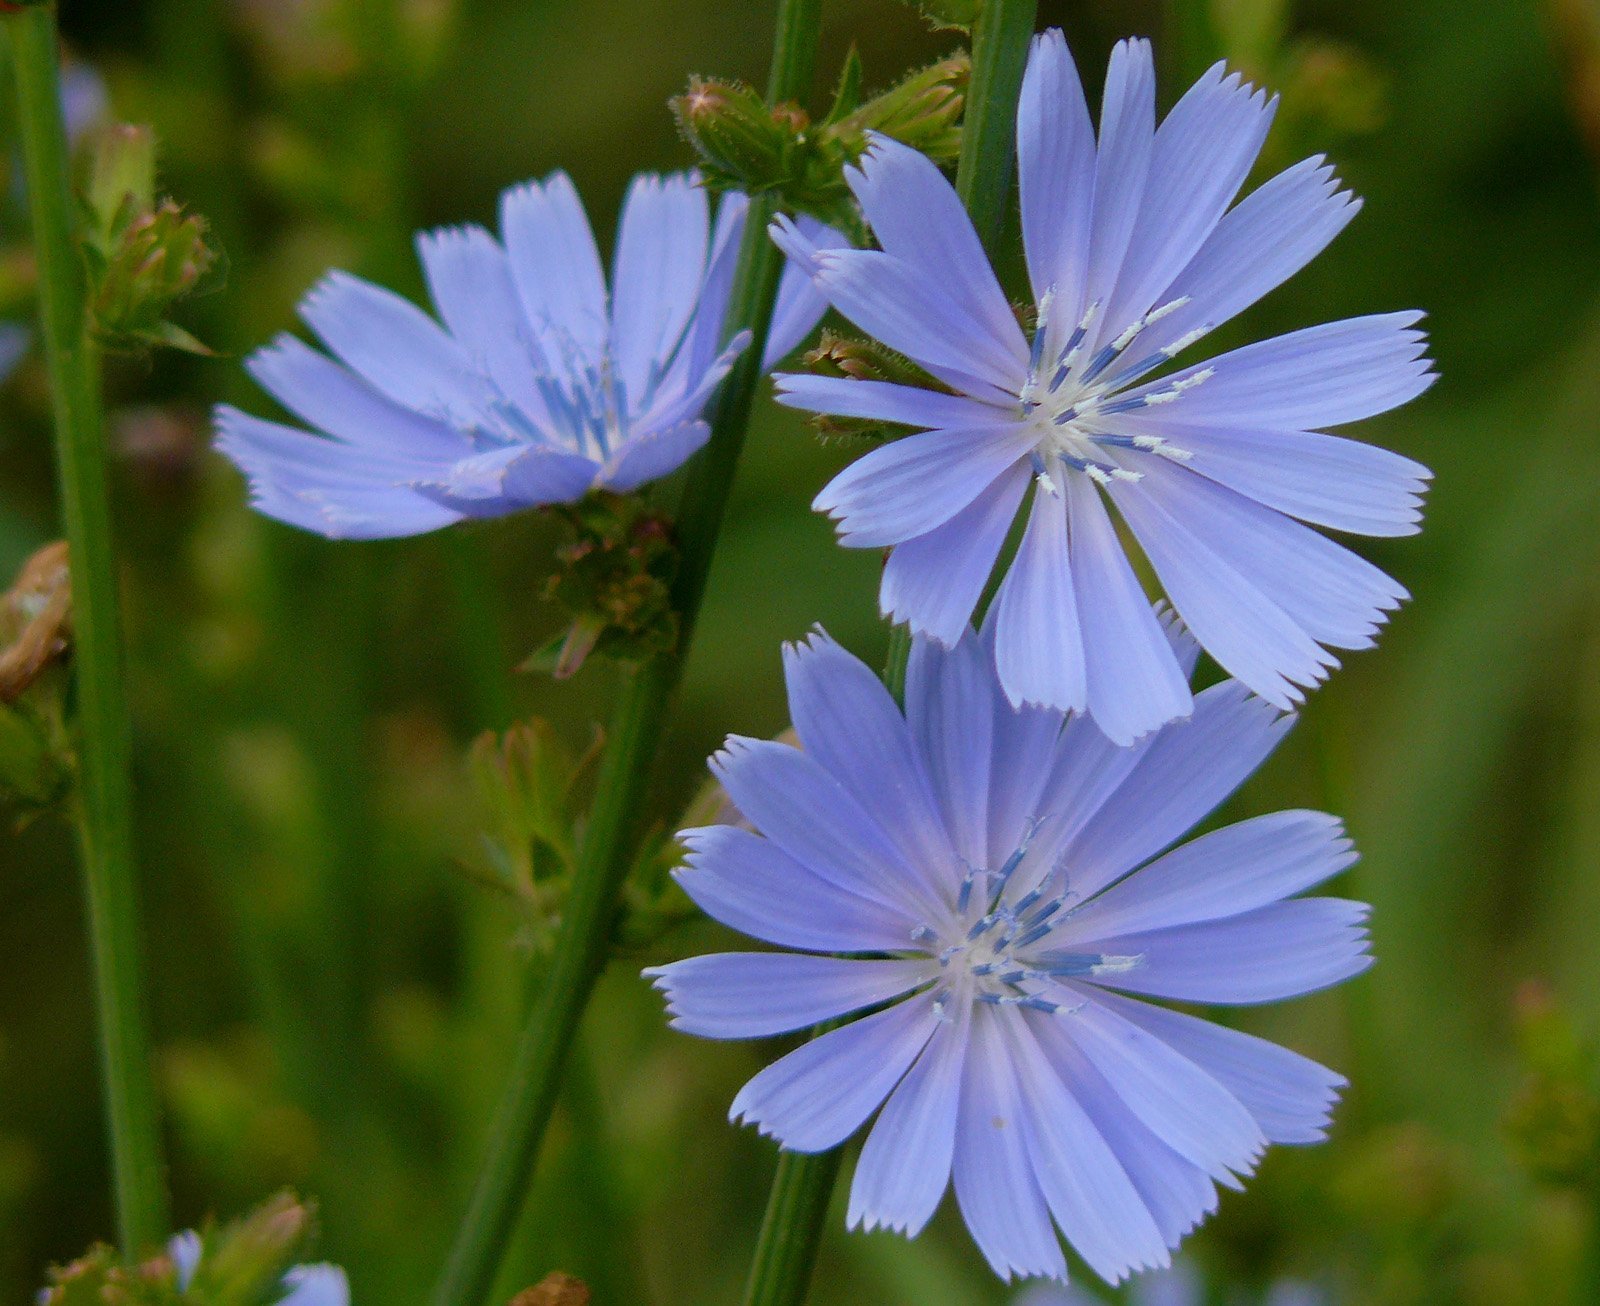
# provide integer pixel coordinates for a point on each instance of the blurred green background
(335, 990)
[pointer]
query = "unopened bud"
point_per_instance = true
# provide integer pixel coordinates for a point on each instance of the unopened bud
(923, 111)
(142, 256)
(740, 140)
(122, 177)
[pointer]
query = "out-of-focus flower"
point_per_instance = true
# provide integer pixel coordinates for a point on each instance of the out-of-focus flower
(538, 387)
(1133, 255)
(994, 876)
(301, 1285)
(1179, 1286)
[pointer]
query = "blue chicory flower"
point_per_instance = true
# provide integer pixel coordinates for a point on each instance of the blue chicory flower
(1179, 1286)
(303, 1285)
(1134, 255)
(994, 876)
(537, 388)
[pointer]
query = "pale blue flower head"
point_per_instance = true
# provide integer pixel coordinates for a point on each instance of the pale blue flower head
(537, 387)
(303, 1285)
(1179, 1286)
(991, 884)
(1134, 255)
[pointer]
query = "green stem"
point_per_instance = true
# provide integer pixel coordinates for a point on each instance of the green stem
(798, 1204)
(608, 847)
(104, 806)
(989, 130)
(792, 1228)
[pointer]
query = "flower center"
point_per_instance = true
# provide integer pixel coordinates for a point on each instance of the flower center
(996, 947)
(1069, 395)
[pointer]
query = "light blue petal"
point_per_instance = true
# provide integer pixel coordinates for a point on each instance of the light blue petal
(1336, 597)
(1134, 683)
(1177, 1193)
(662, 246)
(512, 477)
(917, 218)
(556, 268)
(652, 455)
(758, 994)
(934, 581)
(1038, 644)
(1251, 636)
(711, 314)
(1055, 175)
(824, 1090)
(848, 721)
(1090, 1194)
(316, 1285)
(751, 884)
(904, 1167)
(1122, 165)
(1203, 151)
(1025, 746)
(683, 397)
(1265, 955)
(469, 279)
(800, 806)
(1260, 243)
(1235, 869)
(1000, 1198)
(1183, 773)
(1177, 1100)
(326, 396)
(1290, 1096)
(800, 305)
(185, 1250)
(326, 486)
(949, 708)
(14, 342)
(397, 348)
(883, 401)
(1322, 376)
(1179, 1286)
(913, 313)
(1323, 479)
(917, 484)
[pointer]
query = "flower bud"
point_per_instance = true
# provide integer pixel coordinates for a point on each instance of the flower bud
(122, 176)
(740, 140)
(142, 255)
(245, 1261)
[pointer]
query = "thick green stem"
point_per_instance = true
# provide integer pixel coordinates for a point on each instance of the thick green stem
(798, 1204)
(104, 795)
(636, 729)
(983, 173)
(989, 129)
(792, 1228)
